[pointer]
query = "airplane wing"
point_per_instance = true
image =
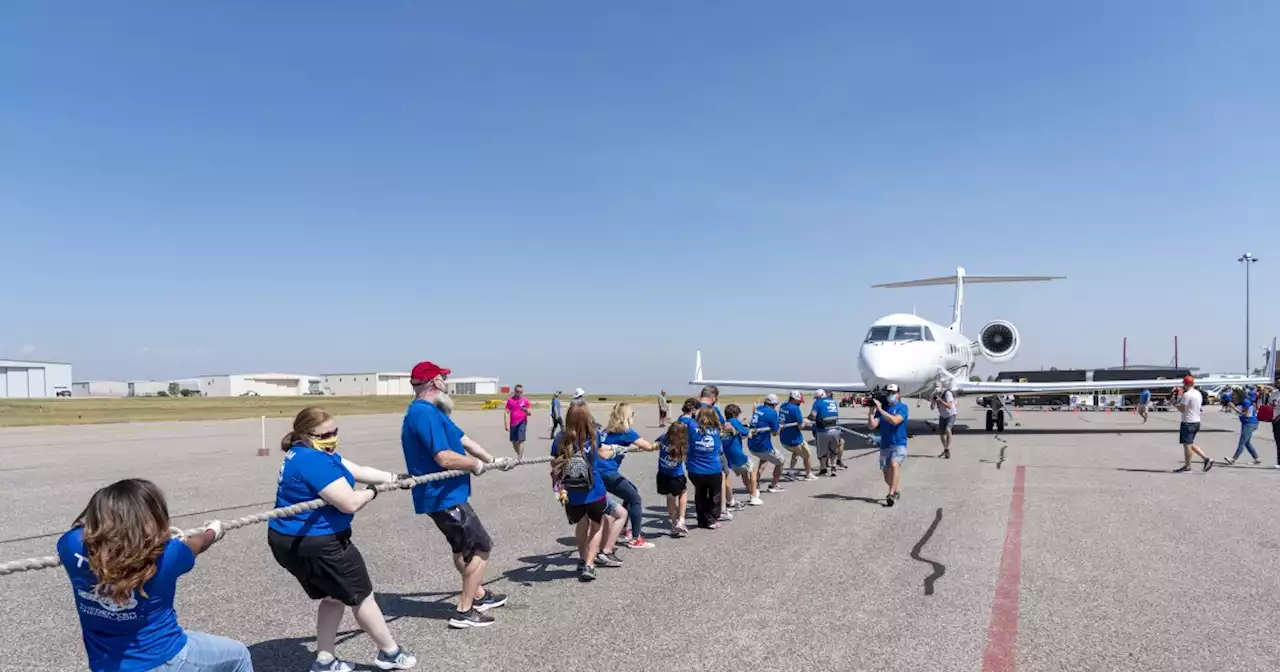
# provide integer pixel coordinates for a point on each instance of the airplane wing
(774, 384)
(967, 387)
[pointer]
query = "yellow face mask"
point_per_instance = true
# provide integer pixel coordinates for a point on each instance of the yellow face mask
(327, 445)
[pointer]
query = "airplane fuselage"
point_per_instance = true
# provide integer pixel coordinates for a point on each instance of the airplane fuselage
(913, 353)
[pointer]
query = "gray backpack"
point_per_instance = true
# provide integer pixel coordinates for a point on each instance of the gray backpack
(578, 474)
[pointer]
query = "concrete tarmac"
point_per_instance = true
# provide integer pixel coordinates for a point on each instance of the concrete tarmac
(1103, 560)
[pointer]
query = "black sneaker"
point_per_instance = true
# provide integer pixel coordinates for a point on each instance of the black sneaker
(608, 560)
(471, 619)
(489, 601)
(1208, 464)
(586, 574)
(888, 500)
(822, 472)
(1182, 470)
(1227, 461)
(841, 465)
(946, 454)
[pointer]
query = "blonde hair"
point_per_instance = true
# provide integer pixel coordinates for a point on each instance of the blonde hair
(620, 419)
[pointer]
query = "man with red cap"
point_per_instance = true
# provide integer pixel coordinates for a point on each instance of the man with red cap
(1189, 405)
(432, 443)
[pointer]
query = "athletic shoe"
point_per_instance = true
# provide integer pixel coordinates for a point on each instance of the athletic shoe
(822, 472)
(833, 473)
(756, 501)
(1183, 470)
(712, 526)
(946, 454)
(774, 488)
(625, 539)
(1256, 461)
(725, 515)
(489, 601)
(1227, 461)
(810, 477)
(735, 505)
(1208, 464)
(841, 464)
(582, 565)
(471, 619)
(333, 665)
(680, 531)
(400, 660)
(897, 495)
(888, 500)
(640, 542)
(608, 560)
(587, 574)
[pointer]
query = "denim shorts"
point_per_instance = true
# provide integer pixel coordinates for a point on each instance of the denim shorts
(890, 455)
(946, 422)
(517, 431)
(1187, 432)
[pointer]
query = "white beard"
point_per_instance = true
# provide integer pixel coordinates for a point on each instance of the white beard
(443, 402)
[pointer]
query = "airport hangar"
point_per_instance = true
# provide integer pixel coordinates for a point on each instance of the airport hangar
(397, 384)
(22, 379)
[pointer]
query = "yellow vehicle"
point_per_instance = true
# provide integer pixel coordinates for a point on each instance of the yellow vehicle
(489, 404)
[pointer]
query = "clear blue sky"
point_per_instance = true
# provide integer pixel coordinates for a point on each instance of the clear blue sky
(584, 193)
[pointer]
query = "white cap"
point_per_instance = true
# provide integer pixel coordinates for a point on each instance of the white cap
(795, 394)
(891, 387)
(579, 393)
(771, 399)
(820, 393)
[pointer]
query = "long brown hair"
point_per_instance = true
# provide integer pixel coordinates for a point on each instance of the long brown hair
(304, 425)
(689, 406)
(708, 419)
(579, 429)
(126, 527)
(677, 441)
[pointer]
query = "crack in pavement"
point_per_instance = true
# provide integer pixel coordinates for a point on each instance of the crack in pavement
(938, 568)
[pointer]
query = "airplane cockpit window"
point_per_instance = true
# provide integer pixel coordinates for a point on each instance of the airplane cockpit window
(878, 334)
(928, 334)
(904, 333)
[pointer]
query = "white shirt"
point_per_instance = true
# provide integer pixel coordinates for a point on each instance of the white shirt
(1274, 400)
(1191, 401)
(943, 411)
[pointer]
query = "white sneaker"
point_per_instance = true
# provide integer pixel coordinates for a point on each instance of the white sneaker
(756, 501)
(774, 488)
(725, 515)
(810, 477)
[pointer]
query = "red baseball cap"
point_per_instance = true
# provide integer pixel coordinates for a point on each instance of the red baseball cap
(424, 371)
(1188, 381)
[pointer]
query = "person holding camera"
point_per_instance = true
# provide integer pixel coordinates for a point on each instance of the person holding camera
(945, 401)
(890, 417)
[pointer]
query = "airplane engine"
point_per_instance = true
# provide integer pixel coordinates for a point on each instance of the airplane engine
(998, 341)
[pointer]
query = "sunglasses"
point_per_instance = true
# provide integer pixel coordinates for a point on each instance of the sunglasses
(326, 435)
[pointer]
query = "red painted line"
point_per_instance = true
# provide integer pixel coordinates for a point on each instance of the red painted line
(1002, 634)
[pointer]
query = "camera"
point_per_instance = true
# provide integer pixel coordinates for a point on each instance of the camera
(867, 402)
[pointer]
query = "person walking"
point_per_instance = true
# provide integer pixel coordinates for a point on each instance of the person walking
(891, 419)
(1189, 405)
(618, 433)
(516, 420)
(1144, 405)
(315, 546)
(664, 407)
(432, 443)
(945, 401)
(123, 561)
(557, 419)
(1247, 409)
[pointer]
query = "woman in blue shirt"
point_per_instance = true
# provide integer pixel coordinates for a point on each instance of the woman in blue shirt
(576, 473)
(315, 546)
(703, 463)
(1248, 412)
(124, 561)
(620, 432)
(673, 448)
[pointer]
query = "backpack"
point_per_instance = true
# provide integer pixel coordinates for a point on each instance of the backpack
(579, 474)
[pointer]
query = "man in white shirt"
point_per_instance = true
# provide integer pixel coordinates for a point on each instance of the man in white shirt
(1189, 405)
(945, 401)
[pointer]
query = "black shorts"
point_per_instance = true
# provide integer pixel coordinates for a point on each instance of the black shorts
(462, 527)
(327, 565)
(1187, 432)
(671, 485)
(596, 510)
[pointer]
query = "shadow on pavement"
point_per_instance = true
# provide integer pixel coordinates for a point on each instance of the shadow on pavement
(849, 498)
(1025, 431)
(544, 568)
(286, 655)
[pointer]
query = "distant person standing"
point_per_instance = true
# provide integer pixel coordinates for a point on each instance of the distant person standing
(664, 406)
(557, 418)
(945, 401)
(1189, 405)
(1144, 404)
(1274, 402)
(891, 419)
(516, 419)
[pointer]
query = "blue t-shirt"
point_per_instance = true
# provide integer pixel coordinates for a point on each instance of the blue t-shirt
(765, 418)
(597, 490)
(304, 472)
(626, 438)
(790, 414)
(827, 409)
(1226, 395)
(425, 432)
(733, 451)
(668, 465)
(890, 434)
(717, 410)
(555, 407)
(1248, 412)
(1144, 397)
(704, 450)
(140, 634)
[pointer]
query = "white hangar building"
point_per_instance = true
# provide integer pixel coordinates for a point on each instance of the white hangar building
(259, 384)
(20, 379)
(397, 384)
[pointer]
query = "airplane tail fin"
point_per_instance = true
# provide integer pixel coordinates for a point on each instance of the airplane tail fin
(960, 279)
(697, 368)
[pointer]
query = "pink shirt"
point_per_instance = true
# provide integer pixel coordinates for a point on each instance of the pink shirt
(519, 410)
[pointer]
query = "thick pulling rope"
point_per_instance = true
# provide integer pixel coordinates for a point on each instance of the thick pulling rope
(51, 561)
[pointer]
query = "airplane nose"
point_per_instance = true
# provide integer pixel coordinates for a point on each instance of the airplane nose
(884, 363)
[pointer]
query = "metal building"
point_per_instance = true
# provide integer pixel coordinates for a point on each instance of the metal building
(100, 388)
(473, 385)
(259, 384)
(364, 384)
(20, 379)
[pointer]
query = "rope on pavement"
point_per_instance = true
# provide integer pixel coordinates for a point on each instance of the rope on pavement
(51, 561)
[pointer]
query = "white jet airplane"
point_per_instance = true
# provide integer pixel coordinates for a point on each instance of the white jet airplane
(917, 354)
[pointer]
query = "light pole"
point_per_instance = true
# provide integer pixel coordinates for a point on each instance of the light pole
(1248, 260)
